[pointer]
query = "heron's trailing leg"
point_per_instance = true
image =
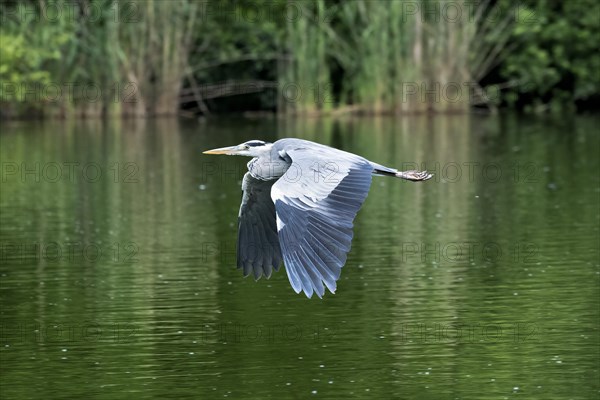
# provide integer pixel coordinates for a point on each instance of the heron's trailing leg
(413, 175)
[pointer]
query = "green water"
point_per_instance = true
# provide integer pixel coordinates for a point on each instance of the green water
(118, 275)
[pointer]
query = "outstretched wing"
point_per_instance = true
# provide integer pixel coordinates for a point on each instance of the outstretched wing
(316, 202)
(258, 248)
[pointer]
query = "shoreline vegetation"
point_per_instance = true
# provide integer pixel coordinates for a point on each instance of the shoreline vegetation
(102, 58)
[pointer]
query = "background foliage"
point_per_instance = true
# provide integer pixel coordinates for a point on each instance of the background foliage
(160, 57)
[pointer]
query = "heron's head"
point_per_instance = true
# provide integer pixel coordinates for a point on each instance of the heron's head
(252, 148)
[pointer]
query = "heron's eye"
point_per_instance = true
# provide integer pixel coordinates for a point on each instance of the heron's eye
(246, 147)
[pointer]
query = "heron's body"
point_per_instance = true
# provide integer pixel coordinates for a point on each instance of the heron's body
(299, 203)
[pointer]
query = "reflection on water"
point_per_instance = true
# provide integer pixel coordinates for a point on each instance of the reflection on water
(118, 264)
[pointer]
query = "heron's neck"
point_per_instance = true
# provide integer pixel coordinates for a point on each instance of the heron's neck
(268, 166)
(262, 151)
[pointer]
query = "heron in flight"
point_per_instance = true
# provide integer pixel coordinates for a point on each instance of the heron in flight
(298, 206)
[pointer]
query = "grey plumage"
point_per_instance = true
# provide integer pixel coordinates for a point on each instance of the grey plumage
(258, 250)
(299, 204)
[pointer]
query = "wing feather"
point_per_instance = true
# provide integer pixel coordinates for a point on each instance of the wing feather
(258, 250)
(316, 202)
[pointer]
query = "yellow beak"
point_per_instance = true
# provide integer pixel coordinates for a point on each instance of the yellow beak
(223, 150)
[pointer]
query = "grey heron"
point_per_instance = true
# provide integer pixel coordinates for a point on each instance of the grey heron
(299, 202)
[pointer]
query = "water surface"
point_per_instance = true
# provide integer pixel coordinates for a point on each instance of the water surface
(118, 269)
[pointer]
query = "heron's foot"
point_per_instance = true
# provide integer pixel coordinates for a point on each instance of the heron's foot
(415, 176)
